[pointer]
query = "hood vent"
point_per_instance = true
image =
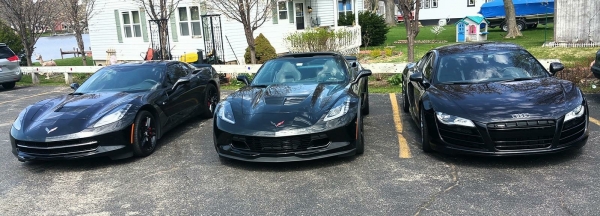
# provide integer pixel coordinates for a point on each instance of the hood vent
(293, 100)
(274, 100)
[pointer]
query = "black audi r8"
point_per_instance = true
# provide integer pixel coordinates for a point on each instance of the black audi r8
(121, 110)
(298, 107)
(493, 99)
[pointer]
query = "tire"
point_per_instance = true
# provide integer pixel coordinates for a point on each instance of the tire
(520, 25)
(365, 109)
(504, 26)
(144, 134)
(211, 99)
(10, 85)
(425, 142)
(404, 101)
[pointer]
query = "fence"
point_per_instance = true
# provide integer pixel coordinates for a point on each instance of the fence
(384, 68)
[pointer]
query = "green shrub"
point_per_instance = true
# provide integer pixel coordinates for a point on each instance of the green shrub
(375, 53)
(264, 50)
(234, 80)
(316, 40)
(389, 51)
(373, 27)
(10, 38)
(396, 79)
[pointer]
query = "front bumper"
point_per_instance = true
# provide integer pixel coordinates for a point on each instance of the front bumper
(529, 137)
(340, 141)
(114, 145)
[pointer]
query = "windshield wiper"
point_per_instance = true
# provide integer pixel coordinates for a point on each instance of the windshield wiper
(260, 86)
(77, 93)
(457, 83)
(518, 79)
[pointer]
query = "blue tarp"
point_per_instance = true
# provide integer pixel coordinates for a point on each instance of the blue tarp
(522, 8)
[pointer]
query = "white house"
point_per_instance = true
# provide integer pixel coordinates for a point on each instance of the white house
(124, 26)
(431, 11)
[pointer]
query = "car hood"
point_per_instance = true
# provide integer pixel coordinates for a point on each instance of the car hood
(73, 113)
(289, 98)
(546, 98)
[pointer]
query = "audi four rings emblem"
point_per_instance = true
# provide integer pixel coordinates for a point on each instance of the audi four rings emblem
(520, 115)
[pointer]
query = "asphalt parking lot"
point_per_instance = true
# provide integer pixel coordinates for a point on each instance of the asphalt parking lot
(393, 177)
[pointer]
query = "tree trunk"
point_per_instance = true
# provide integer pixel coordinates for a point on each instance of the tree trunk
(80, 44)
(390, 13)
(511, 20)
(250, 39)
(411, 25)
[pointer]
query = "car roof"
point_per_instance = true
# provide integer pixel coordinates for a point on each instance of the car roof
(354, 58)
(476, 47)
(2, 44)
(309, 54)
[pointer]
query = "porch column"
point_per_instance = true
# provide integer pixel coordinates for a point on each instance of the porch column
(355, 9)
(335, 13)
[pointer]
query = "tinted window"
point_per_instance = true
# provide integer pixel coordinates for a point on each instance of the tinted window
(174, 72)
(302, 70)
(124, 78)
(5, 52)
(428, 67)
(487, 66)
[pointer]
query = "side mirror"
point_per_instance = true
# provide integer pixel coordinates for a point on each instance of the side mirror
(416, 77)
(354, 64)
(363, 73)
(74, 86)
(556, 67)
(181, 81)
(243, 79)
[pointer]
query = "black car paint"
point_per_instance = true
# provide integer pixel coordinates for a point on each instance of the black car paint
(494, 102)
(69, 118)
(291, 110)
(595, 68)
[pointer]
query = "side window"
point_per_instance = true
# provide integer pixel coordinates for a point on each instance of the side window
(421, 62)
(174, 72)
(186, 68)
(428, 67)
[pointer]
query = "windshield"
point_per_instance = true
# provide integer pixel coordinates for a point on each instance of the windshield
(301, 70)
(489, 66)
(124, 78)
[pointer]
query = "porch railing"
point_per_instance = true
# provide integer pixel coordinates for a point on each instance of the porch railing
(343, 39)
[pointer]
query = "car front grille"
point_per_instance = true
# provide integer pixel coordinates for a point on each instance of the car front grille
(57, 148)
(461, 136)
(572, 130)
(522, 135)
(280, 144)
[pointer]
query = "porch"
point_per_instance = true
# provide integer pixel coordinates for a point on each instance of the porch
(314, 17)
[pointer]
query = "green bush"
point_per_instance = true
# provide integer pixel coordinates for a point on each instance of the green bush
(316, 40)
(10, 38)
(389, 51)
(234, 80)
(396, 79)
(264, 50)
(373, 27)
(375, 53)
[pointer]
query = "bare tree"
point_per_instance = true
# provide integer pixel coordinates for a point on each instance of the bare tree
(160, 11)
(390, 12)
(511, 20)
(411, 24)
(77, 13)
(251, 13)
(371, 5)
(30, 19)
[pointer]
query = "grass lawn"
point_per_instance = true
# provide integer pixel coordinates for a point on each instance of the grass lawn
(532, 40)
(75, 61)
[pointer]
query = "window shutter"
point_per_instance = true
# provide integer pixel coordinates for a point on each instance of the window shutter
(274, 9)
(291, 14)
(173, 21)
(118, 23)
(144, 25)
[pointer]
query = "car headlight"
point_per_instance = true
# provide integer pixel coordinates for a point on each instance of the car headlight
(226, 113)
(575, 113)
(18, 124)
(114, 116)
(453, 120)
(339, 109)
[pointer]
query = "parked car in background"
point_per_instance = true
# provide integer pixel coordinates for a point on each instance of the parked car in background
(493, 99)
(120, 111)
(595, 67)
(10, 70)
(298, 107)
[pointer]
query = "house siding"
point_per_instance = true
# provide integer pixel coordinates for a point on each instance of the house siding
(104, 36)
(450, 9)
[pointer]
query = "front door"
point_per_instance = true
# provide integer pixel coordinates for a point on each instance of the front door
(461, 32)
(299, 15)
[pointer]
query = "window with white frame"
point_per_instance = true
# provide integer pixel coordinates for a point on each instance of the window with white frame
(189, 21)
(344, 7)
(426, 4)
(470, 3)
(282, 9)
(434, 3)
(132, 27)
